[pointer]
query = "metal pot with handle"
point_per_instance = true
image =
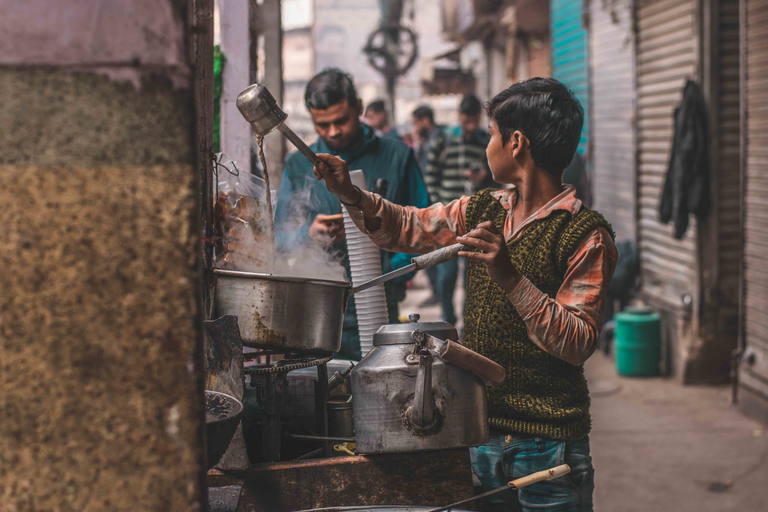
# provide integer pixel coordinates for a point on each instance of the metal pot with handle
(417, 390)
(299, 314)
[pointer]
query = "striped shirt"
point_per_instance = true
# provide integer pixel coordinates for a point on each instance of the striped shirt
(567, 326)
(449, 159)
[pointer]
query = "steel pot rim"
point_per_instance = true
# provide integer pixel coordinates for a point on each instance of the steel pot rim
(285, 279)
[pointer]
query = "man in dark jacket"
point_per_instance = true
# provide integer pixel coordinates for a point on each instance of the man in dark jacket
(335, 108)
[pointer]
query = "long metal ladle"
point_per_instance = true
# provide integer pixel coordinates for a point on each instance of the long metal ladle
(260, 109)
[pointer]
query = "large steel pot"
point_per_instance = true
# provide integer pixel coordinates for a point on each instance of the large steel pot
(283, 313)
(298, 314)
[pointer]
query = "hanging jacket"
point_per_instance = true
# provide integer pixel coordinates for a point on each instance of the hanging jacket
(687, 184)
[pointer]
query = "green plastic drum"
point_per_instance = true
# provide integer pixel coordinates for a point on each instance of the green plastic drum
(638, 342)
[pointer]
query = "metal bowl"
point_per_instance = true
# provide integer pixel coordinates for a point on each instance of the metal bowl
(283, 313)
(222, 415)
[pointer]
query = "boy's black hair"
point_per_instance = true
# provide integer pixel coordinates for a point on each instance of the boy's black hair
(376, 106)
(424, 111)
(547, 113)
(470, 105)
(328, 88)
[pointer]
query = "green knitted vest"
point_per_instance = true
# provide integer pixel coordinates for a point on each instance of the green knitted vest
(542, 396)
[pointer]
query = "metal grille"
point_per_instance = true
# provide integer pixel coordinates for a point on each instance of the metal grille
(613, 101)
(754, 376)
(665, 59)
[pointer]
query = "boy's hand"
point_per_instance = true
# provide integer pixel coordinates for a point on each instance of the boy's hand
(493, 252)
(333, 170)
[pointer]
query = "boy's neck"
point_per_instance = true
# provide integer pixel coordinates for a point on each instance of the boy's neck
(536, 189)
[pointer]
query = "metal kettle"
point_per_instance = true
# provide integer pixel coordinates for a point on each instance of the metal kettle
(407, 398)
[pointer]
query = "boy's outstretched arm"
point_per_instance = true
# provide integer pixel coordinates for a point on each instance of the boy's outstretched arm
(393, 227)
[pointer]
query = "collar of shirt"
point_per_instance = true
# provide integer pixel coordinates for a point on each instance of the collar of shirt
(565, 200)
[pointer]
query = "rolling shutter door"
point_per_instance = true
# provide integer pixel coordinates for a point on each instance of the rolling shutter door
(612, 76)
(665, 59)
(569, 54)
(727, 167)
(754, 377)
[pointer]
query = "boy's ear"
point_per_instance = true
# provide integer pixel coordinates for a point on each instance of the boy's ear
(518, 143)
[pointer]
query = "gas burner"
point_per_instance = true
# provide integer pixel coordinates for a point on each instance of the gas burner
(285, 365)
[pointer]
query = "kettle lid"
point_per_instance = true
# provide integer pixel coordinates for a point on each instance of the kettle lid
(400, 334)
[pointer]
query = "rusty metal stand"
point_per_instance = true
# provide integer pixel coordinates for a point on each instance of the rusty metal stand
(321, 405)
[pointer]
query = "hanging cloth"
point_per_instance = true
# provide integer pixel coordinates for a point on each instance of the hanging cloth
(687, 187)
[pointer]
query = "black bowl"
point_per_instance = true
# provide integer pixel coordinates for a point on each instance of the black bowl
(222, 415)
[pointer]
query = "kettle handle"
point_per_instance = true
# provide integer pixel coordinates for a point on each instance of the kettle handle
(490, 371)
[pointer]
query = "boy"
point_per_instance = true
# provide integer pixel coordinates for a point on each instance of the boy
(535, 288)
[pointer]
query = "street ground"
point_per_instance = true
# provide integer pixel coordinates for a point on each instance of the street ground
(661, 446)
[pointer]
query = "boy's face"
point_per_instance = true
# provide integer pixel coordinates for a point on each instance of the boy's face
(501, 158)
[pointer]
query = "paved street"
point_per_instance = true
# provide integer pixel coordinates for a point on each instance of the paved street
(659, 446)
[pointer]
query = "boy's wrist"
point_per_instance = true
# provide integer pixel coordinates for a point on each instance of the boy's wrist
(509, 283)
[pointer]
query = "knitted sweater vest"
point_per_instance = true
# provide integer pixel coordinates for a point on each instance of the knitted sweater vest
(543, 396)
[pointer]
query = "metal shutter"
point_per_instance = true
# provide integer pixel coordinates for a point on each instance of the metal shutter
(612, 74)
(665, 58)
(727, 185)
(754, 377)
(569, 54)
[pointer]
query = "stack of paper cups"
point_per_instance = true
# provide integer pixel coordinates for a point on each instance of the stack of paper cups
(365, 264)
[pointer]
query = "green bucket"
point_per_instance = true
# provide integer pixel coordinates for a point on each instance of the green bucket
(638, 342)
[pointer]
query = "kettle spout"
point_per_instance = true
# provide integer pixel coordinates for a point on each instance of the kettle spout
(422, 412)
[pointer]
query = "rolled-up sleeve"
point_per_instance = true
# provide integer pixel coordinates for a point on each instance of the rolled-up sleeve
(568, 326)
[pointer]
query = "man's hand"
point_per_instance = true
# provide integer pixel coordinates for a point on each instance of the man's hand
(493, 252)
(333, 170)
(327, 227)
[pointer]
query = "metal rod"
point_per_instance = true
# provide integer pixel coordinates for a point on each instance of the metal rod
(385, 278)
(311, 454)
(322, 438)
(296, 141)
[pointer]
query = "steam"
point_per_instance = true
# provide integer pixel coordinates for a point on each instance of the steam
(247, 245)
(301, 255)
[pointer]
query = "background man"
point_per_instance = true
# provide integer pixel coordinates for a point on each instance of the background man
(332, 101)
(376, 117)
(428, 133)
(457, 166)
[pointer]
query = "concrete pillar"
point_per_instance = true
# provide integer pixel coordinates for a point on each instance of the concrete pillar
(272, 30)
(235, 44)
(100, 365)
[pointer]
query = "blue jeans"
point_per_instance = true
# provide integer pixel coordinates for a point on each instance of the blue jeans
(505, 458)
(446, 284)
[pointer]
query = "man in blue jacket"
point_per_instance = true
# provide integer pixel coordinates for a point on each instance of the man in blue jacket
(335, 108)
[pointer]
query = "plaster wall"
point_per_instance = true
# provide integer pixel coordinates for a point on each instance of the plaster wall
(100, 402)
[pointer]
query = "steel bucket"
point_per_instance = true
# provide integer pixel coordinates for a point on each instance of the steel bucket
(283, 313)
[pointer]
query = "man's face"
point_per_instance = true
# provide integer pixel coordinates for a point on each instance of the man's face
(469, 124)
(503, 165)
(338, 125)
(423, 125)
(376, 120)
